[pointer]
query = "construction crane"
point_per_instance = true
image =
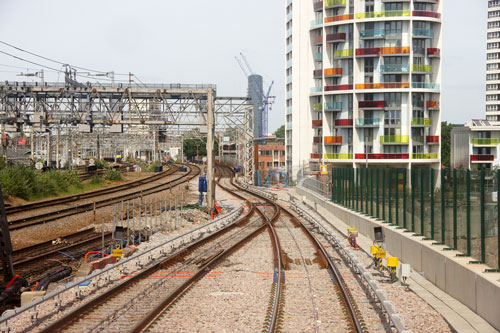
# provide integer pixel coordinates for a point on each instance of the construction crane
(267, 100)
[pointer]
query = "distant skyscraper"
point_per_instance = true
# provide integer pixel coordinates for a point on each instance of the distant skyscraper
(363, 83)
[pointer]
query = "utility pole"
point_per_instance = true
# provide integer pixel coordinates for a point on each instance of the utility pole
(58, 164)
(210, 149)
(32, 142)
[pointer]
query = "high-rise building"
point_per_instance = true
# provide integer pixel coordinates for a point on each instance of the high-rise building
(493, 62)
(363, 83)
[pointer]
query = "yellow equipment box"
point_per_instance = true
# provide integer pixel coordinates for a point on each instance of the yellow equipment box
(374, 249)
(380, 254)
(392, 262)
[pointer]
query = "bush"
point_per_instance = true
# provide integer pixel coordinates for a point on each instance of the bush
(113, 174)
(95, 180)
(152, 167)
(101, 164)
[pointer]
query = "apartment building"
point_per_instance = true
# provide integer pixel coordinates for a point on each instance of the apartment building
(493, 63)
(363, 83)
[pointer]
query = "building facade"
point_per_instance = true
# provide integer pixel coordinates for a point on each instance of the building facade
(269, 157)
(493, 63)
(363, 83)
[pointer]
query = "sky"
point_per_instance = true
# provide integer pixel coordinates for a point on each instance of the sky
(196, 42)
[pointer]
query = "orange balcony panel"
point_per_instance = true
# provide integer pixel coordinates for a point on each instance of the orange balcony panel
(333, 139)
(432, 104)
(395, 50)
(339, 18)
(315, 155)
(317, 123)
(390, 85)
(333, 71)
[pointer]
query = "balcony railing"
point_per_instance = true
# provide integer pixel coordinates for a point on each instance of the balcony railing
(344, 53)
(333, 106)
(394, 68)
(421, 68)
(421, 121)
(316, 23)
(421, 85)
(315, 90)
(318, 56)
(333, 72)
(333, 139)
(394, 139)
(334, 38)
(289, 125)
(339, 87)
(315, 155)
(335, 3)
(425, 156)
(388, 85)
(317, 73)
(338, 156)
(317, 123)
(289, 110)
(395, 50)
(425, 13)
(318, 6)
(338, 18)
(317, 139)
(423, 32)
(367, 122)
(374, 51)
(432, 139)
(418, 139)
(371, 104)
(432, 104)
(482, 158)
(343, 122)
(318, 40)
(318, 107)
(383, 156)
(372, 33)
(485, 142)
(433, 52)
(391, 13)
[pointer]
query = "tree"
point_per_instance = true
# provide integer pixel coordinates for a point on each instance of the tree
(196, 143)
(280, 132)
(446, 143)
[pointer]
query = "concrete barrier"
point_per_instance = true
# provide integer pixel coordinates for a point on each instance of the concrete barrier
(468, 283)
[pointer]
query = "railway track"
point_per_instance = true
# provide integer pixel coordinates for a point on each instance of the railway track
(27, 221)
(100, 172)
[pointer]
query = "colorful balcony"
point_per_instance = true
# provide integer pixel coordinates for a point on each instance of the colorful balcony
(392, 13)
(421, 121)
(367, 122)
(335, 3)
(318, 6)
(318, 73)
(344, 53)
(377, 33)
(482, 158)
(318, 107)
(335, 38)
(421, 68)
(389, 85)
(395, 50)
(485, 142)
(289, 110)
(394, 68)
(432, 105)
(339, 18)
(338, 156)
(318, 40)
(289, 125)
(316, 90)
(394, 139)
(317, 139)
(333, 140)
(425, 156)
(344, 122)
(315, 156)
(333, 106)
(331, 72)
(426, 33)
(317, 123)
(424, 13)
(339, 87)
(433, 52)
(422, 85)
(318, 56)
(371, 104)
(369, 52)
(383, 156)
(432, 139)
(316, 23)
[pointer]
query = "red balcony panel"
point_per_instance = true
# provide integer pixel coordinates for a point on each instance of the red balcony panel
(425, 13)
(317, 73)
(318, 40)
(343, 122)
(339, 87)
(335, 37)
(317, 123)
(318, 5)
(383, 156)
(317, 139)
(479, 158)
(369, 51)
(432, 139)
(372, 104)
(433, 51)
(315, 155)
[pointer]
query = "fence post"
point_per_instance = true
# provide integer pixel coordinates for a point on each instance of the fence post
(469, 247)
(404, 198)
(367, 184)
(397, 197)
(455, 239)
(443, 207)
(390, 195)
(432, 203)
(377, 194)
(422, 224)
(371, 192)
(361, 186)
(413, 185)
(351, 186)
(483, 222)
(383, 194)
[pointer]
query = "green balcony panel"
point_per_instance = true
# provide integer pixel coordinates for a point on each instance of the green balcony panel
(394, 139)
(331, 3)
(426, 156)
(339, 156)
(421, 121)
(392, 13)
(344, 53)
(318, 107)
(485, 142)
(421, 68)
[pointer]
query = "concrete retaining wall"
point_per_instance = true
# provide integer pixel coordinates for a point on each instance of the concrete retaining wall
(467, 283)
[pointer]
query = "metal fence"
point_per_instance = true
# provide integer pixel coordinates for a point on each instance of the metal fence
(456, 208)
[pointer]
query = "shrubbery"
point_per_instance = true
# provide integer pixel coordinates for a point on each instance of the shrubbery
(113, 174)
(101, 164)
(152, 167)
